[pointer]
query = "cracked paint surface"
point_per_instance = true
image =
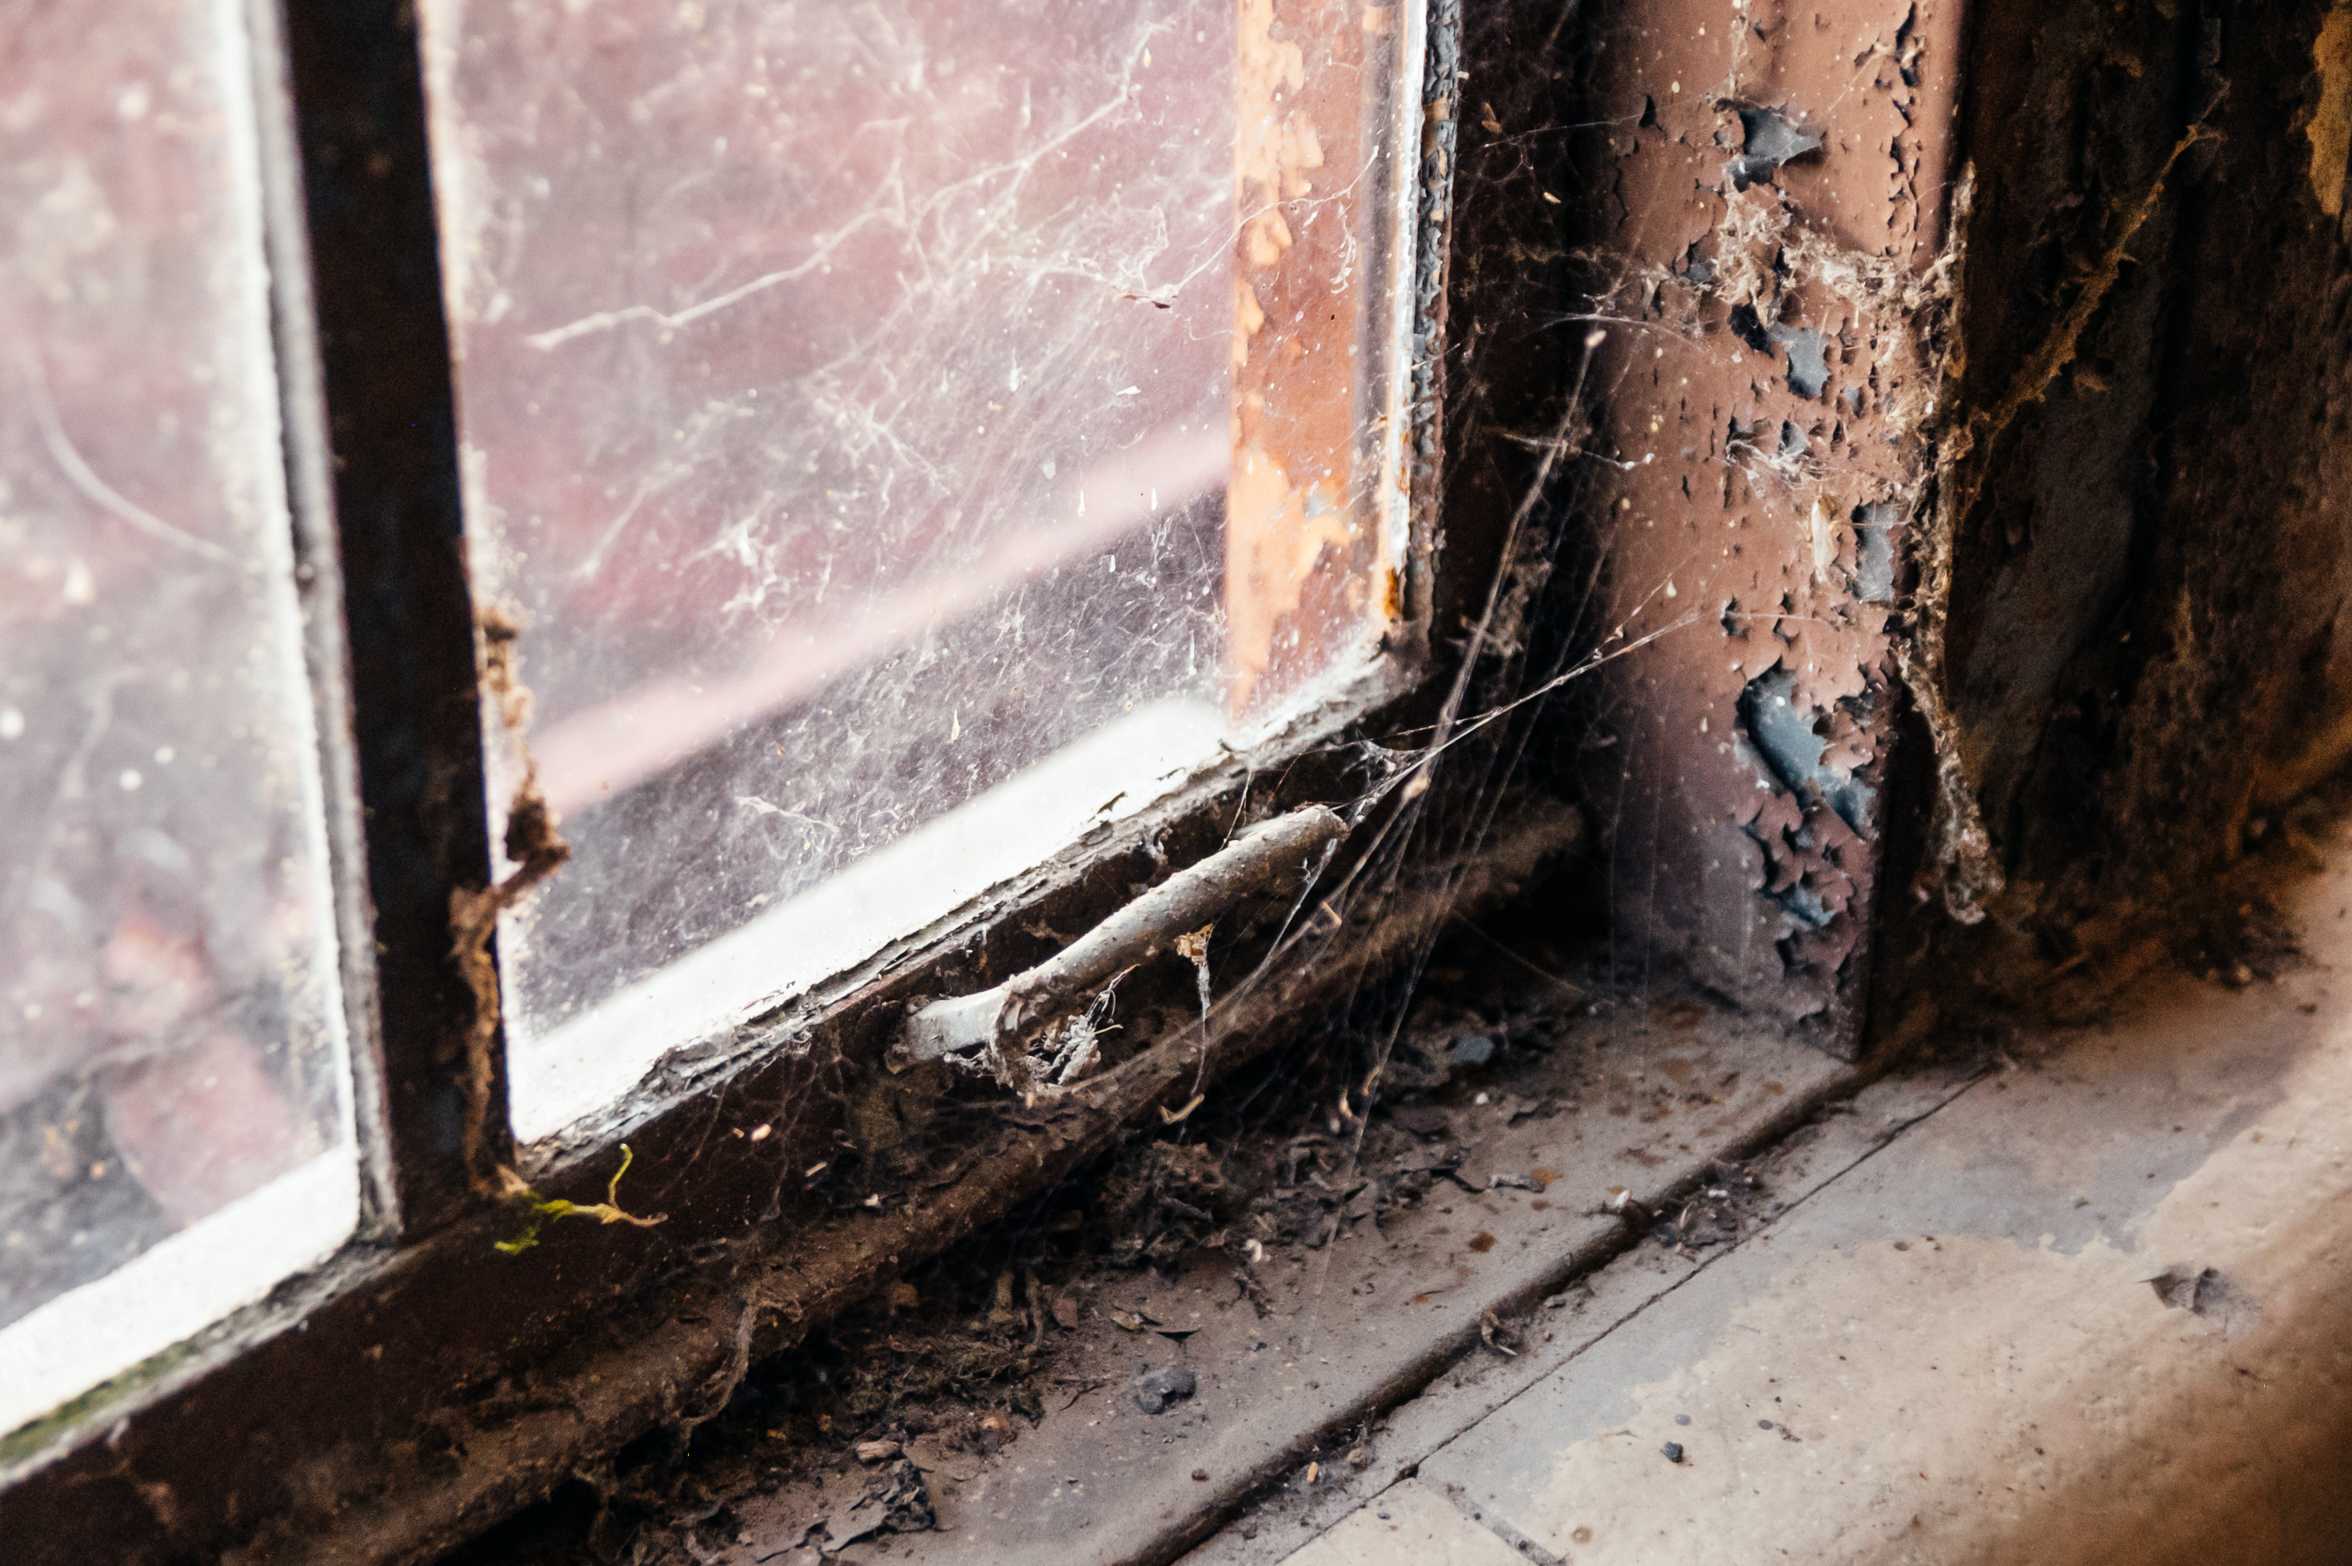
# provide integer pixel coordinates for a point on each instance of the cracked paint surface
(1774, 179)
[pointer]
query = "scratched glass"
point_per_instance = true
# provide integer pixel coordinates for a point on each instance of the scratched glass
(174, 1126)
(908, 433)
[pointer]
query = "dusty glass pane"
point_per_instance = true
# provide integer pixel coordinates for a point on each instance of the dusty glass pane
(906, 432)
(174, 1129)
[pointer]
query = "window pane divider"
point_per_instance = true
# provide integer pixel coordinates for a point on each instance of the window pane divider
(373, 462)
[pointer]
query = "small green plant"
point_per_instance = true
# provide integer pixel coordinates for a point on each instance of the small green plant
(540, 1209)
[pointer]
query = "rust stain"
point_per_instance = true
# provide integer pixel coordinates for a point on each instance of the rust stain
(536, 849)
(1297, 554)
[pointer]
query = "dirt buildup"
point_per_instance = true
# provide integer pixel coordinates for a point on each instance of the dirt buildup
(1156, 1391)
(1717, 1213)
(2208, 1293)
(896, 1502)
(502, 678)
(953, 1354)
(1165, 1199)
(942, 1370)
(536, 849)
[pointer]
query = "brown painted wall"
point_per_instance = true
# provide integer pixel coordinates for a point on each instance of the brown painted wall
(1769, 217)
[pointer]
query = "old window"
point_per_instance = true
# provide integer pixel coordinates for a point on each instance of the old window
(590, 590)
(175, 1103)
(910, 433)
(886, 446)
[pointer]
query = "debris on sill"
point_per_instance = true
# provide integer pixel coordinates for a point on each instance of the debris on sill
(897, 1502)
(536, 849)
(1167, 1199)
(1156, 1391)
(539, 1210)
(1717, 1213)
(853, 1435)
(2207, 1293)
(1498, 1335)
(1176, 917)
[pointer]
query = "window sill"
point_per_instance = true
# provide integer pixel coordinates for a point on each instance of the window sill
(1948, 1346)
(1336, 1332)
(1933, 1336)
(391, 1405)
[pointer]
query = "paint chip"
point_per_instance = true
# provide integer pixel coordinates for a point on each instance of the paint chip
(1808, 358)
(1772, 139)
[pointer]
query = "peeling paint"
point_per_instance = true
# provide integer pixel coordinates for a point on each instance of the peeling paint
(1769, 419)
(1808, 358)
(1875, 551)
(1771, 140)
(1300, 568)
(1793, 752)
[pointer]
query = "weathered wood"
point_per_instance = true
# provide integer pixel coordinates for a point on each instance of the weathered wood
(2150, 522)
(401, 1438)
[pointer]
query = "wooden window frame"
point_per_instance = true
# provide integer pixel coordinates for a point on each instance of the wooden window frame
(421, 1383)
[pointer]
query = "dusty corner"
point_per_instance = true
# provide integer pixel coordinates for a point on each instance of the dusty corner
(1976, 547)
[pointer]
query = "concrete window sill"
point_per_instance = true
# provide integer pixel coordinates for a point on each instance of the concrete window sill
(2091, 1306)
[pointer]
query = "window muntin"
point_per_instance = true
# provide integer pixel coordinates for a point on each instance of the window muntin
(175, 1120)
(908, 433)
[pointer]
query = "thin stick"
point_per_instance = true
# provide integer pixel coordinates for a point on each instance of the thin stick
(1265, 858)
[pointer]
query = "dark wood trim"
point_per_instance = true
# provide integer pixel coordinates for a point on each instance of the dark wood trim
(355, 80)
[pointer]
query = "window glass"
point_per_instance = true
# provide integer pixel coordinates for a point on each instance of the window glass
(906, 433)
(174, 1124)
